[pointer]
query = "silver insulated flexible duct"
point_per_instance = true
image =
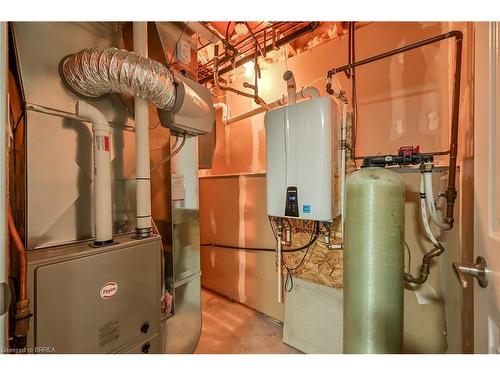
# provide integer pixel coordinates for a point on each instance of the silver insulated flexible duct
(94, 72)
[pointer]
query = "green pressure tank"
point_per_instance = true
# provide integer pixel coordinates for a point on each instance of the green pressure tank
(373, 261)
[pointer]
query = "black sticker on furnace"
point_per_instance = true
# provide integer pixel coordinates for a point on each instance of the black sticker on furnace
(108, 332)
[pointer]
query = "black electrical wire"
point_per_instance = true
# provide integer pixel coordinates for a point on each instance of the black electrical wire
(177, 42)
(155, 126)
(238, 247)
(227, 30)
(313, 238)
(21, 116)
(290, 270)
(254, 248)
(172, 154)
(314, 234)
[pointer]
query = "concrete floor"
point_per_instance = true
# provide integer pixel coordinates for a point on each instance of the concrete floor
(232, 328)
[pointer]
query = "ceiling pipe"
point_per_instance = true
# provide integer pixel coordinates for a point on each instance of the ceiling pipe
(247, 41)
(279, 43)
(257, 44)
(212, 36)
(309, 92)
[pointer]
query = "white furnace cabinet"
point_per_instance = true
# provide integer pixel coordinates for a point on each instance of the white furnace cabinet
(302, 160)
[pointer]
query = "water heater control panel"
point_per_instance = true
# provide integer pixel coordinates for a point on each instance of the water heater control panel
(292, 202)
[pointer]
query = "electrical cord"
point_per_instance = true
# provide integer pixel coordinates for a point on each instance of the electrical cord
(238, 247)
(155, 126)
(290, 270)
(315, 235)
(313, 238)
(177, 42)
(168, 157)
(227, 30)
(272, 250)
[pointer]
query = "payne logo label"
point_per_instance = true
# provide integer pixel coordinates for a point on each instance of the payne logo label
(109, 290)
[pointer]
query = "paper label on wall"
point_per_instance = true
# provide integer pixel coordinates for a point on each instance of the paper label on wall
(102, 143)
(425, 294)
(177, 187)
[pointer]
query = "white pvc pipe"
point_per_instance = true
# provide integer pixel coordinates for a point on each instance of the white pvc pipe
(423, 212)
(343, 140)
(222, 106)
(103, 207)
(279, 256)
(141, 114)
(290, 86)
(309, 92)
(4, 255)
(429, 197)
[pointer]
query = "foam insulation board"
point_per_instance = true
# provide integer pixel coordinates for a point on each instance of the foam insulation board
(313, 318)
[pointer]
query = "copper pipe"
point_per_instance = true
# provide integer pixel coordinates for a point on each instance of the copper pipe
(257, 44)
(242, 44)
(255, 96)
(281, 42)
(425, 268)
(23, 313)
(21, 250)
(451, 192)
(215, 33)
(216, 77)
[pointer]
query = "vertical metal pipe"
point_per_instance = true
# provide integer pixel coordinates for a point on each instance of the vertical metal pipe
(4, 255)
(343, 140)
(141, 114)
(279, 256)
(451, 192)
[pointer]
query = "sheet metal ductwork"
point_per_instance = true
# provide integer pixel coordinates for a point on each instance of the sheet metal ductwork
(94, 72)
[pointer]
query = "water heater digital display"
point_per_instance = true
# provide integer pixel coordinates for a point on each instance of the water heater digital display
(292, 204)
(302, 160)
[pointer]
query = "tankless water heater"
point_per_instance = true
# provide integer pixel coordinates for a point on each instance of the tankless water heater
(302, 160)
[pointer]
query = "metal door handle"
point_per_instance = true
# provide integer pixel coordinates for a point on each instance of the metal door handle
(479, 270)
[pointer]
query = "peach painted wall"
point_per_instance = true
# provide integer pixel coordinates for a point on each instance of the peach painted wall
(403, 100)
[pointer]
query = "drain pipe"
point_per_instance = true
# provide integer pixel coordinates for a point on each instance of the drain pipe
(103, 220)
(143, 171)
(309, 92)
